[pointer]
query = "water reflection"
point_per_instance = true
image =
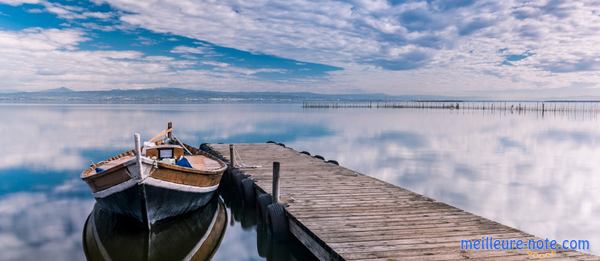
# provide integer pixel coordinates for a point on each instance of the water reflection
(245, 215)
(531, 172)
(534, 173)
(194, 236)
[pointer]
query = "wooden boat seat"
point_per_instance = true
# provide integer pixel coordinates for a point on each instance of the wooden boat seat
(201, 162)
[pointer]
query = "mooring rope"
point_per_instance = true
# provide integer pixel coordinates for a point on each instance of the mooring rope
(239, 163)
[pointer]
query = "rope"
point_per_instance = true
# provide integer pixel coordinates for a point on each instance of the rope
(181, 144)
(239, 163)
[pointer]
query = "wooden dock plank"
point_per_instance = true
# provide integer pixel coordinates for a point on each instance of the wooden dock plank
(338, 213)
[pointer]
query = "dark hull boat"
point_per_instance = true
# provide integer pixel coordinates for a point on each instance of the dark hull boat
(161, 179)
(194, 236)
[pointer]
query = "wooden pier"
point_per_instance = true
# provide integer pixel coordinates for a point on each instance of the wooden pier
(339, 214)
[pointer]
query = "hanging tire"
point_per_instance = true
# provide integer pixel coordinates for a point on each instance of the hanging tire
(249, 192)
(237, 182)
(262, 202)
(226, 178)
(333, 162)
(319, 157)
(277, 222)
(271, 142)
(305, 152)
(281, 144)
(204, 147)
(263, 241)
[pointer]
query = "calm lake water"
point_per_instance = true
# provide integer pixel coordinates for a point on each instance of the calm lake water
(538, 174)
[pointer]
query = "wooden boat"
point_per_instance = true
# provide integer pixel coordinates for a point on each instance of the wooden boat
(193, 236)
(161, 179)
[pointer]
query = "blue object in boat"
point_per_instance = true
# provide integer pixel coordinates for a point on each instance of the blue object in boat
(98, 170)
(183, 162)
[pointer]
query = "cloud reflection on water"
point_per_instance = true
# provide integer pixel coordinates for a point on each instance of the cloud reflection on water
(536, 174)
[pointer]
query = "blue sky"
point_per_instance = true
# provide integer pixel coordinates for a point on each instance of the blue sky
(442, 47)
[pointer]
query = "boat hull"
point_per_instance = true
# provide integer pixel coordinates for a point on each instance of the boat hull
(150, 190)
(150, 204)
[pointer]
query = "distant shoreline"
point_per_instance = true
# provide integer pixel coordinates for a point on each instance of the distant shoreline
(187, 96)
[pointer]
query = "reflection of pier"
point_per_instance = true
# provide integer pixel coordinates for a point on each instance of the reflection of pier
(339, 214)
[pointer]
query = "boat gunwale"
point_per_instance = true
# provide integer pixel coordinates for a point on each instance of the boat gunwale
(88, 175)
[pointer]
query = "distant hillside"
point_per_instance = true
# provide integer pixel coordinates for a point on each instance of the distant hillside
(178, 95)
(58, 90)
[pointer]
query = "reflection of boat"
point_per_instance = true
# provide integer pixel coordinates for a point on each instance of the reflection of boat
(194, 236)
(160, 179)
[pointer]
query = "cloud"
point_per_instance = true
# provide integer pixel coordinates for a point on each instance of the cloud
(420, 20)
(578, 65)
(405, 61)
(360, 34)
(189, 50)
(474, 25)
(36, 39)
(74, 12)
(451, 44)
(445, 5)
(18, 2)
(47, 58)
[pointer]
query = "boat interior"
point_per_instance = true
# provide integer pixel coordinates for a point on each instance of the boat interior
(164, 154)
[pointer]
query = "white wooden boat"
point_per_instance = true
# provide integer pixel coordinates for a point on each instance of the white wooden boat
(161, 179)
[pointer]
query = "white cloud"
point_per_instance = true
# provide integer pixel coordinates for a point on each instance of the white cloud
(441, 47)
(74, 12)
(188, 49)
(18, 2)
(448, 37)
(40, 40)
(36, 59)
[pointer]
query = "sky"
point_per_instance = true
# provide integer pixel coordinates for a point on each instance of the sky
(502, 49)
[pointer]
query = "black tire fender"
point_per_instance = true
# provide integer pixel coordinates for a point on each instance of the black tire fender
(277, 222)
(333, 162)
(248, 192)
(262, 202)
(237, 177)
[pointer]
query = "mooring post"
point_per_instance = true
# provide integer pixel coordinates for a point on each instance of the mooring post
(276, 182)
(231, 156)
(138, 153)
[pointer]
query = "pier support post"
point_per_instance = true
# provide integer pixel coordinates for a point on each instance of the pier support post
(276, 182)
(231, 156)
